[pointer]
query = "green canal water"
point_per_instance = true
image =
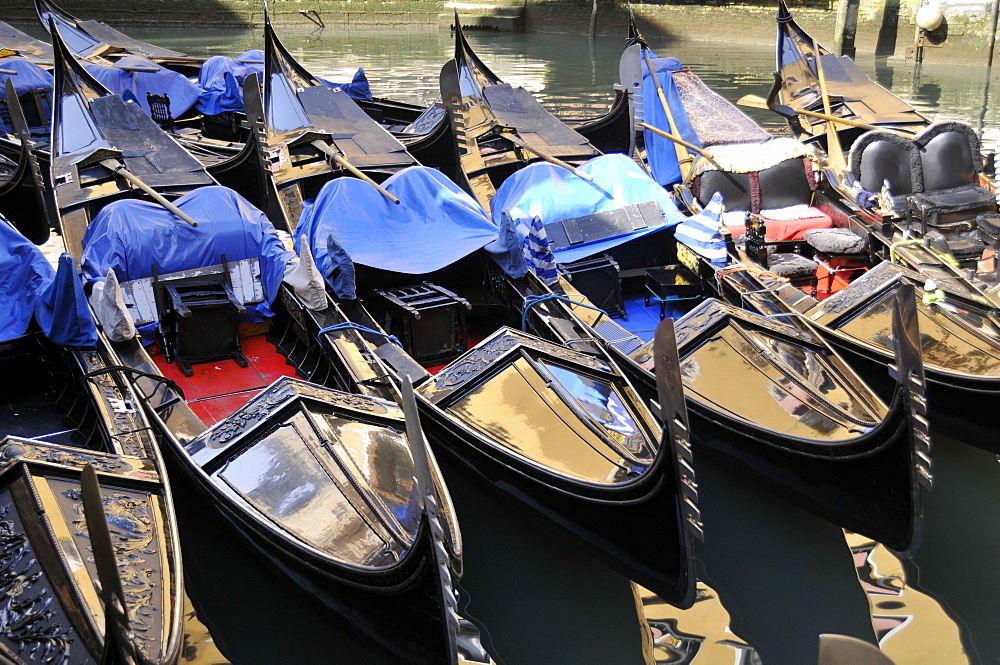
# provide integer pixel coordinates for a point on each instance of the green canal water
(772, 576)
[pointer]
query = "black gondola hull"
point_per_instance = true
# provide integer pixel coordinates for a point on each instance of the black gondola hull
(398, 611)
(636, 529)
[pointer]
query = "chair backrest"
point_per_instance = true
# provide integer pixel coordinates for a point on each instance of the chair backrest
(949, 156)
(159, 109)
(877, 156)
(785, 184)
(735, 188)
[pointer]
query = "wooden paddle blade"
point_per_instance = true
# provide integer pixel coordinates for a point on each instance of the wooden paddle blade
(844, 650)
(752, 101)
(20, 125)
(674, 418)
(112, 594)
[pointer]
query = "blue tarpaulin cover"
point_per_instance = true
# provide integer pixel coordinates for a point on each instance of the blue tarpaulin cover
(62, 310)
(130, 235)
(135, 85)
(29, 287)
(222, 79)
(553, 194)
(661, 153)
(29, 77)
(358, 88)
(435, 224)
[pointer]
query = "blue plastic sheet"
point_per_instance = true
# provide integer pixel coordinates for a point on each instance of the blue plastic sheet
(29, 77)
(661, 153)
(435, 224)
(129, 236)
(553, 194)
(30, 288)
(358, 88)
(62, 311)
(135, 85)
(24, 273)
(222, 78)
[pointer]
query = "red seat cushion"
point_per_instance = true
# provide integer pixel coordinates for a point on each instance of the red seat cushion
(793, 229)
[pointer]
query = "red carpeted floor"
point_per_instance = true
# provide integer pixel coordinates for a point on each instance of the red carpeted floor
(220, 387)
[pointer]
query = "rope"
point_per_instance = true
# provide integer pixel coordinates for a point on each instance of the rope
(170, 383)
(350, 325)
(759, 274)
(531, 301)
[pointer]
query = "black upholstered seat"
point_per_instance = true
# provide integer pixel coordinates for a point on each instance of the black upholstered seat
(786, 264)
(836, 241)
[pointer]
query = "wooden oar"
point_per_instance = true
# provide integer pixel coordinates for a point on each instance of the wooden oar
(683, 157)
(678, 140)
(342, 162)
(833, 150)
(116, 621)
(519, 142)
(755, 102)
(119, 169)
(8, 72)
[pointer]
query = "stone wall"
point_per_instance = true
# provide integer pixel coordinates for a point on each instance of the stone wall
(741, 21)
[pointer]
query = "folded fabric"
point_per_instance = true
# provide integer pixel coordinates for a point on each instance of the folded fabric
(702, 232)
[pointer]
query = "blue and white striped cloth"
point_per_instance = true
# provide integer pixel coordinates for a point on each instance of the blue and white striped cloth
(702, 232)
(537, 251)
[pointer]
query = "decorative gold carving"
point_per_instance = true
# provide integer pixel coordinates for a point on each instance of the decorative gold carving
(495, 348)
(122, 416)
(130, 521)
(14, 450)
(26, 620)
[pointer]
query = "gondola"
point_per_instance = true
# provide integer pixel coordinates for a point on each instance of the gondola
(68, 411)
(274, 455)
(850, 94)
(905, 178)
(24, 198)
(798, 250)
(13, 42)
(92, 38)
(498, 129)
(308, 134)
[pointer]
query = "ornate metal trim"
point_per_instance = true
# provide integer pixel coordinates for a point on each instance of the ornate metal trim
(504, 342)
(28, 621)
(711, 313)
(282, 392)
(132, 525)
(15, 449)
